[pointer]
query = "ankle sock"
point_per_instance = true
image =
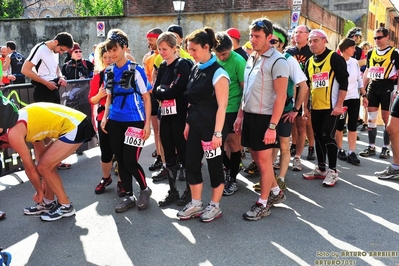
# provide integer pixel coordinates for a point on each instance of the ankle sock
(263, 202)
(275, 190)
(196, 202)
(216, 204)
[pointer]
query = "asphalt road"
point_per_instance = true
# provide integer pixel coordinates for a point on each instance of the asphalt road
(316, 225)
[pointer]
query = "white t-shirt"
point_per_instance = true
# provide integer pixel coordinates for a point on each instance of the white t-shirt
(355, 80)
(45, 61)
(296, 73)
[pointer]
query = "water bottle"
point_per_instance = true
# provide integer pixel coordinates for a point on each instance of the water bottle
(344, 109)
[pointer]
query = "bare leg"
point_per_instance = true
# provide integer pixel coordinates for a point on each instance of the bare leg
(393, 131)
(263, 160)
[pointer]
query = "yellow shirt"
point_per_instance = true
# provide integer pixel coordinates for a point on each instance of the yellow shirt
(49, 120)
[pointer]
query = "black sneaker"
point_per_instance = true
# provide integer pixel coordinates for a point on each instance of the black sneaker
(385, 153)
(162, 174)
(353, 159)
(126, 204)
(230, 188)
(369, 151)
(359, 122)
(310, 156)
(293, 151)
(58, 213)
(185, 198)
(252, 168)
(157, 164)
(365, 127)
(171, 197)
(120, 189)
(342, 155)
(41, 208)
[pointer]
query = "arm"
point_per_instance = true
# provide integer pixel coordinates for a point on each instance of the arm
(28, 72)
(222, 96)
(147, 109)
(61, 81)
(97, 92)
(338, 64)
(178, 85)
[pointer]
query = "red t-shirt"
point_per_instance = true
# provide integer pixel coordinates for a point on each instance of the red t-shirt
(94, 88)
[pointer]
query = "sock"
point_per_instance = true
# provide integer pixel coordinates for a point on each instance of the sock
(372, 134)
(196, 202)
(263, 202)
(349, 152)
(132, 198)
(293, 146)
(275, 190)
(216, 204)
(372, 146)
(47, 201)
(66, 205)
(282, 178)
(164, 165)
(386, 138)
(395, 166)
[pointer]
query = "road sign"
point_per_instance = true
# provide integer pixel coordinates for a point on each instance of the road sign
(295, 15)
(296, 8)
(296, 2)
(100, 29)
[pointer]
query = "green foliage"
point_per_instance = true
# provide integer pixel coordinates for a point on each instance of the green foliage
(348, 25)
(11, 9)
(98, 7)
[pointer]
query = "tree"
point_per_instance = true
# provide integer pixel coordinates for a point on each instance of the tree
(11, 9)
(99, 7)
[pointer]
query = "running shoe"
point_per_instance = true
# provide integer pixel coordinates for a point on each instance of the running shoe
(58, 213)
(256, 212)
(388, 173)
(40, 208)
(211, 213)
(190, 211)
(105, 182)
(315, 173)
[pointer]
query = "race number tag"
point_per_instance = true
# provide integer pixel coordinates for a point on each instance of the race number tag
(210, 153)
(320, 80)
(376, 73)
(168, 107)
(134, 137)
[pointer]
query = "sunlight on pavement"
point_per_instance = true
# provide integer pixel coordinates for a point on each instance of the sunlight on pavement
(349, 183)
(341, 245)
(290, 255)
(387, 183)
(100, 227)
(22, 250)
(304, 197)
(186, 232)
(381, 221)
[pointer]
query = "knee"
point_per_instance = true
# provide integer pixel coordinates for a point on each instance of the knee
(372, 121)
(392, 130)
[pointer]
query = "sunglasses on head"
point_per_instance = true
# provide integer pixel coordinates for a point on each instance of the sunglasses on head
(274, 41)
(77, 52)
(261, 24)
(379, 37)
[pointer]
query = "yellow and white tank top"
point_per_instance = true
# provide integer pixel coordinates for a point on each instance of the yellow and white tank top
(49, 120)
(381, 66)
(323, 86)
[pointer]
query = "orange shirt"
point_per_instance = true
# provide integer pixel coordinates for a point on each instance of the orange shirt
(149, 66)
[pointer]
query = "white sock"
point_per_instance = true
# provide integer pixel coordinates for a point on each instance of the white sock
(282, 178)
(275, 190)
(263, 202)
(216, 204)
(66, 205)
(132, 198)
(47, 201)
(196, 202)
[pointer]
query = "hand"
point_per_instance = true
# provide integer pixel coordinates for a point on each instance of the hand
(102, 92)
(305, 114)
(186, 130)
(38, 197)
(290, 116)
(11, 77)
(104, 124)
(270, 137)
(337, 110)
(216, 142)
(51, 85)
(365, 102)
(237, 126)
(62, 82)
(146, 131)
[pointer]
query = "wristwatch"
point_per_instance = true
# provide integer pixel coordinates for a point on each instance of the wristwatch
(272, 126)
(294, 110)
(218, 134)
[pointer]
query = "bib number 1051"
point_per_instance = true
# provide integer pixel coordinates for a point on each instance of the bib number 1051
(210, 153)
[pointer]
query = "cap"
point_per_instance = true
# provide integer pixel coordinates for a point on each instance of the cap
(234, 33)
(9, 113)
(318, 33)
(76, 46)
(176, 29)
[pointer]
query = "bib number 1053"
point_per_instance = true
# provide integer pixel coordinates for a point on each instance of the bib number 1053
(134, 137)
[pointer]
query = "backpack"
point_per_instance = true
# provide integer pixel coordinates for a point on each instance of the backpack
(17, 60)
(84, 63)
(127, 81)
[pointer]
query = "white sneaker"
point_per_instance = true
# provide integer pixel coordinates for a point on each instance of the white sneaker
(296, 164)
(388, 173)
(331, 178)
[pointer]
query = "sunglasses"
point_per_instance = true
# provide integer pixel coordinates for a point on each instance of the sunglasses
(77, 52)
(261, 24)
(379, 37)
(274, 41)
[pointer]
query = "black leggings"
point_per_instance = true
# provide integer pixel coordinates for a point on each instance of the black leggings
(172, 138)
(324, 125)
(127, 156)
(352, 113)
(194, 153)
(105, 145)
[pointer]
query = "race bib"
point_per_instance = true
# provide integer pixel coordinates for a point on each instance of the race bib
(376, 73)
(210, 153)
(134, 137)
(168, 107)
(320, 80)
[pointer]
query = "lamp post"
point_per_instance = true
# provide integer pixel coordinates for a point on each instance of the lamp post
(178, 6)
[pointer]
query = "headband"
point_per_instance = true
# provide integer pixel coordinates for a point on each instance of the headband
(152, 35)
(279, 35)
(118, 38)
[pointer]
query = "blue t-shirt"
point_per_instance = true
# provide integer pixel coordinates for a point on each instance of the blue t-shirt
(127, 104)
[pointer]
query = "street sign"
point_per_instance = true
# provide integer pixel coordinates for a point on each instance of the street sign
(296, 8)
(295, 15)
(100, 29)
(296, 2)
